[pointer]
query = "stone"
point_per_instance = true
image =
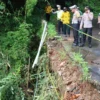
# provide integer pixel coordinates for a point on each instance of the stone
(59, 73)
(62, 64)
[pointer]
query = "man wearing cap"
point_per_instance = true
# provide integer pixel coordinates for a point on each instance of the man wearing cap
(86, 24)
(65, 18)
(59, 14)
(75, 23)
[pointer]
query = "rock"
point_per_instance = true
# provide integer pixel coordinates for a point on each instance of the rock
(53, 58)
(62, 69)
(64, 74)
(57, 37)
(75, 96)
(30, 90)
(68, 88)
(71, 87)
(99, 92)
(54, 43)
(66, 96)
(64, 78)
(99, 33)
(68, 83)
(59, 72)
(65, 39)
(62, 64)
(97, 61)
(50, 52)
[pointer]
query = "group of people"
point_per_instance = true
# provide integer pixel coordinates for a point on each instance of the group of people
(80, 22)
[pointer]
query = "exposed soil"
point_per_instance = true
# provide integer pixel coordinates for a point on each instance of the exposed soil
(72, 87)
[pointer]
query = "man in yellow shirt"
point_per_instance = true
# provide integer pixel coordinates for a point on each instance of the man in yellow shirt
(48, 10)
(66, 20)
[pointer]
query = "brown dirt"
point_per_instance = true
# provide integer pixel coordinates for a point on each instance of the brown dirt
(72, 88)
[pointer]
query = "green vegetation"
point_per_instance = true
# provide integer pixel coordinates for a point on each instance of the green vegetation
(78, 60)
(46, 84)
(17, 47)
(51, 30)
(30, 5)
(62, 55)
(91, 3)
(20, 34)
(82, 3)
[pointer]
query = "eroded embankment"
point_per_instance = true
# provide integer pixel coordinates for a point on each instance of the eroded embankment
(71, 85)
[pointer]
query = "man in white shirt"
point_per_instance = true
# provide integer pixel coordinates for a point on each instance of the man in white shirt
(59, 13)
(86, 24)
(75, 23)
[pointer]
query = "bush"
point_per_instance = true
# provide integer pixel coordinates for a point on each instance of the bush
(91, 3)
(51, 30)
(15, 44)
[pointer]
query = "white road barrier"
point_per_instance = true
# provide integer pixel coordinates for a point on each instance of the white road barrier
(44, 34)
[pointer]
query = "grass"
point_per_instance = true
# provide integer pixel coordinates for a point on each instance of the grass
(62, 55)
(46, 82)
(78, 60)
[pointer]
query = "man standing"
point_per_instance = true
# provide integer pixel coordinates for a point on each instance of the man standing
(59, 14)
(86, 23)
(65, 18)
(75, 23)
(48, 10)
(79, 33)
